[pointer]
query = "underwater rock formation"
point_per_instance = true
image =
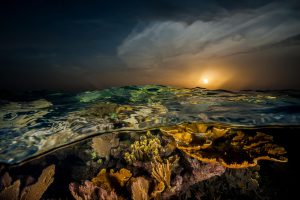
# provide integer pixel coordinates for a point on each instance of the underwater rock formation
(200, 171)
(228, 147)
(30, 192)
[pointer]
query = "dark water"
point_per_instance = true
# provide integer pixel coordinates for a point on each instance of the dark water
(42, 128)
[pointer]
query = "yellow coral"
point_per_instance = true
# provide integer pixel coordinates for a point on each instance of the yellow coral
(159, 188)
(162, 172)
(102, 179)
(122, 176)
(231, 148)
(146, 148)
(105, 180)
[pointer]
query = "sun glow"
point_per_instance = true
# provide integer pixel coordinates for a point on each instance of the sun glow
(205, 81)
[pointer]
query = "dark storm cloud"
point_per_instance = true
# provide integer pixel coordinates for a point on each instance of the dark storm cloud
(94, 44)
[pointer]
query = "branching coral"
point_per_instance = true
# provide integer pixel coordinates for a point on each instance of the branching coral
(89, 191)
(31, 192)
(230, 148)
(146, 149)
(162, 172)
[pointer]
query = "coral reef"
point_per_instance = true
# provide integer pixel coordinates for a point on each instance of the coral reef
(35, 191)
(30, 192)
(89, 191)
(230, 148)
(103, 144)
(103, 186)
(162, 173)
(121, 176)
(199, 172)
(140, 188)
(145, 149)
(234, 184)
(202, 153)
(108, 180)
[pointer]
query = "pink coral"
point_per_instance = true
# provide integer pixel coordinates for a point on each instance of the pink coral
(89, 191)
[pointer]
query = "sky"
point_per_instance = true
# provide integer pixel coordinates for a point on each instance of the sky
(89, 45)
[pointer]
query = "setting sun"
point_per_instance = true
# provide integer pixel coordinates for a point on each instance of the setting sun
(205, 81)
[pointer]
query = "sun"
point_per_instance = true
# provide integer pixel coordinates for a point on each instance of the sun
(205, 81)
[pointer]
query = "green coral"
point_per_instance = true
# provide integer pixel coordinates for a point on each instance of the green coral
(145, 149)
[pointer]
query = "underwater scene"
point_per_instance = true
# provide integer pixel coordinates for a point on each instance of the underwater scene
(147, 142)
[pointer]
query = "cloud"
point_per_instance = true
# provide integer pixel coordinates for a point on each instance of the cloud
(171, 43)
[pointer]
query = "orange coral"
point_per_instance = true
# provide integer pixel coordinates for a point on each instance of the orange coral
(102, 179)
(106, 180)
(230, 148)
(122, 176)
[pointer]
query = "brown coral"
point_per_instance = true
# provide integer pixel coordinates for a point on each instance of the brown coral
(11, 192)
(140, 188)
(158, 189)
(31, 192)
(162, 172)
(103, 144)
(35, 191)
(230, 148)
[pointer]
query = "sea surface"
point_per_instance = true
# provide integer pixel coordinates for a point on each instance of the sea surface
(40, 128)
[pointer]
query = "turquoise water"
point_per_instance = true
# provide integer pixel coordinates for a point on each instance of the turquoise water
(35, 122)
